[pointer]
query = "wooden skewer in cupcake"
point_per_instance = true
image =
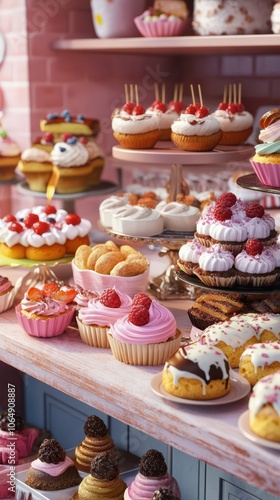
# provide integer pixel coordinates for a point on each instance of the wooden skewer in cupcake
(196, 129)
(236, 123)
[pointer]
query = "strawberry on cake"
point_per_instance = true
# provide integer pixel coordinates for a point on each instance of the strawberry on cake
(133, 128)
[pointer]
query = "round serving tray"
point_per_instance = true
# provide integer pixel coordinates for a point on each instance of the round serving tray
(166, 153)
(105, 187)
(242, 290)
(169, 239)
(251, 181)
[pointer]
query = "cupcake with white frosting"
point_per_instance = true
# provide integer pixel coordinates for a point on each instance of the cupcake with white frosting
(216, 267)
(135, 129)
(189, 254)
(255, 265)
(71, 159)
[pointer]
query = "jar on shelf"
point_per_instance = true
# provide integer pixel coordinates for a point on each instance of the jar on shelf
(115, 19)
(232, 17)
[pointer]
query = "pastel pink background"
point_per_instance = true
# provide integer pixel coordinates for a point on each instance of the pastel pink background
(36, 79)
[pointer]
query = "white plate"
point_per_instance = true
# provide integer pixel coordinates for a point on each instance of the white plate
(243, 425)
(240, 387)
(22, 490)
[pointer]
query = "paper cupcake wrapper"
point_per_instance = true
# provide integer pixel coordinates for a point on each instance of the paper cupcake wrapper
(161, 28)
(267, 173)
(187, 270)
(146, 354)
(256, 280)
(50, 327)
(95, 336)
(7, 300)
(217, 281)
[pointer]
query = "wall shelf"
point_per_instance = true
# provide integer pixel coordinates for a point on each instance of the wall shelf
(254, 44)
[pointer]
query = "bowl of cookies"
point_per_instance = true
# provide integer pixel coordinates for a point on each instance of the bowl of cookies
(106, 265)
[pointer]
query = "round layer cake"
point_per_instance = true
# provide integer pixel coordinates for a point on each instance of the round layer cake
(197, 372)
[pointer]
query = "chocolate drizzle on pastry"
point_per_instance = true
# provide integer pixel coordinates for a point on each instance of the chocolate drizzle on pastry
(105, 466)
(152, 464)
(95, 427)
(51, 452)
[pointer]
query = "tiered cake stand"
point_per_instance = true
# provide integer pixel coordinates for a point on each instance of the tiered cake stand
(166, 286)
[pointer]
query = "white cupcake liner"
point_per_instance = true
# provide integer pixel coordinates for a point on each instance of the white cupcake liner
(144, 354)
(93, 335)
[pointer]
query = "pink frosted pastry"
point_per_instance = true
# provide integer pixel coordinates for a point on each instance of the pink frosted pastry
(152, 476)
(94, 319)
(52, 470)
(145, 336)
(24, 438)
(46, 311)
(7, 294)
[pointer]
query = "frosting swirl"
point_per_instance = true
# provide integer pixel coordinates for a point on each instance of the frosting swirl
(188, 124)
(255, 264)
(96, 313)
(216, 259)
(69, 155)
(160, 328)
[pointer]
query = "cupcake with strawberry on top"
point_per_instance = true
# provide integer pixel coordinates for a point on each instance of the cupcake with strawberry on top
(46, 310)
(166, 114)
(133, 128)
(196, 129)
(146, 336)
(94, 319)
(236, 123)
(255, 265)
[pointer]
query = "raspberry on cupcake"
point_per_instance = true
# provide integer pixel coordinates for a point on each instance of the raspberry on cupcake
(95, 319)
(146, 336)
(227, 230)
(259, 225)
(255, 265)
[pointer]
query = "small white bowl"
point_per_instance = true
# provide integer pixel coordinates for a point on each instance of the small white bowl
(90, 280)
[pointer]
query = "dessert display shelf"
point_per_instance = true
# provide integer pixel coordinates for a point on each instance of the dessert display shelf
(240, 290)
(251, 181)
(68, 200)
(166, 286)
(206, 435)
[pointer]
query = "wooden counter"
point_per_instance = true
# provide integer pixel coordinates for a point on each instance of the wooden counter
(93, 376)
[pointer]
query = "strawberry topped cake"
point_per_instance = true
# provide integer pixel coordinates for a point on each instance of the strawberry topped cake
(42, 233)
(147, 335)
(196, 129)
(133, 127)
(236, 123)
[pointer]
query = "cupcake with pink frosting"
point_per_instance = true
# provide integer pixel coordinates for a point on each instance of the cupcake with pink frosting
(216, 267)
(146, 336)
(188, 256)
(46, 311)
(94, 319)
(7, 293)
(52, 470)
(255, 265)
(153, 475)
